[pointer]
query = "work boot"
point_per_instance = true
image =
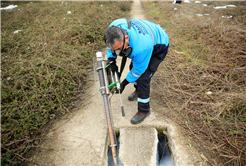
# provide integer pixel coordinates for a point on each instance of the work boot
(133, 96)
(139, 117)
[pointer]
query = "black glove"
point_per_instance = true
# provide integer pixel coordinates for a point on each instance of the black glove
(114, 67)
(122, 87)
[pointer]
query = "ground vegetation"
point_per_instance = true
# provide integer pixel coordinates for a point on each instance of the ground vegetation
(202, 80)
(46, 54)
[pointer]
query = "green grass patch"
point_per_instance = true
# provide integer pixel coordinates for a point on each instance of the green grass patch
(45, 65)
(154, 13)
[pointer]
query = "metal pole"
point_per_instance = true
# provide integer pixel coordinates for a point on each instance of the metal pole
(103, 89)
(110, 130)
(118, 87)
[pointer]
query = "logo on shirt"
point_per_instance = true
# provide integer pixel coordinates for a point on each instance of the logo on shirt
(139, 27)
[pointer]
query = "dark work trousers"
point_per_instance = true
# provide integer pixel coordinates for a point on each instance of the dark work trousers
(142, 85)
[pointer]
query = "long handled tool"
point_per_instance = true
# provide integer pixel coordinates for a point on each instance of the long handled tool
(104, 89)
(118, 88)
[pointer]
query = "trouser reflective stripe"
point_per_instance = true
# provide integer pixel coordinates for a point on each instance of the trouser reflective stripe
(143, 100)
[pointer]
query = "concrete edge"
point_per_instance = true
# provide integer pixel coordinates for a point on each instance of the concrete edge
(180, 153)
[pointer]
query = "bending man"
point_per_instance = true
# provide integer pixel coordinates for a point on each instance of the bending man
(146, 44)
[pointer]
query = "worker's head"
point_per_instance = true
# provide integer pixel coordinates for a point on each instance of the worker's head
(113, 34)
(117, 40)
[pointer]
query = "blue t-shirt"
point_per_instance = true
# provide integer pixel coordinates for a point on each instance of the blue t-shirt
(143, 36)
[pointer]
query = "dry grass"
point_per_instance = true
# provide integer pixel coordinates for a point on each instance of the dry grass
(203, 77)
(45, 65)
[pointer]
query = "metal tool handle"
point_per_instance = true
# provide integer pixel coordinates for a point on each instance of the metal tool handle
(122, 110)
(118, 87)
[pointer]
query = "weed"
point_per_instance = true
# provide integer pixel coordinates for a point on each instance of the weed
(46, 64)
(204, 55)
(124, 6)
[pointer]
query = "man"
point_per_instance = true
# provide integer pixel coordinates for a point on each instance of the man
(144, 42)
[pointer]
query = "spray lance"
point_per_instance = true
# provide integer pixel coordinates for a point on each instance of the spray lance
(109, 83)
(114, 84)
(118, 88)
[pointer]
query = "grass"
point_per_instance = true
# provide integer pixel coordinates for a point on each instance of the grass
(207, 54)
(45, 65)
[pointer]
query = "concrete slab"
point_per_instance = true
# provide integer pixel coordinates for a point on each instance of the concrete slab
(138, 146)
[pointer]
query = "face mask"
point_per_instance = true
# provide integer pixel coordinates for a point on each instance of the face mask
(117, 52)
(126, 52)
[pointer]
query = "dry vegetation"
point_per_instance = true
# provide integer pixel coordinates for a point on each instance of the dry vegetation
(202, 80)
(45, 65)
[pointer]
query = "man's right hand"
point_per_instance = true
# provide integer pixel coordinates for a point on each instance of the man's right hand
(113, 66)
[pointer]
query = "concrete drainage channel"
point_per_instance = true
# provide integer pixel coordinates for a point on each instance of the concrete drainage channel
(138, 143)
(141, 146)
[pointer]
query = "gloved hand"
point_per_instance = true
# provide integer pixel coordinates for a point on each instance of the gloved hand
(113, 66)
(122, 87)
